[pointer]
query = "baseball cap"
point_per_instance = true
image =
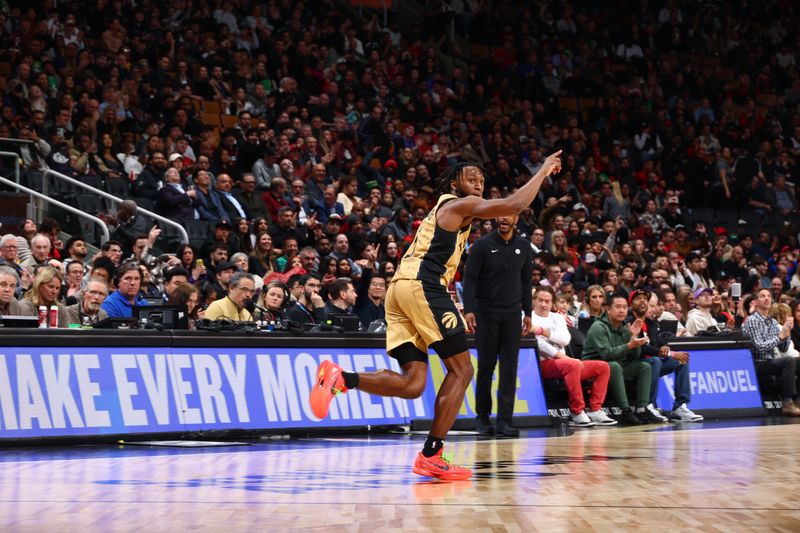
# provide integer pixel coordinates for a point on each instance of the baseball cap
(337, 217)
(223, 224)
(590, 258)
(636, 293)
(673, 200)
(225, 265)
(580, 206)
(701, 290)
(679, 227)
(391, 163)
(175, 157)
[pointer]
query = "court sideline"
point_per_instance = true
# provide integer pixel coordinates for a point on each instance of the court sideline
(715, 476)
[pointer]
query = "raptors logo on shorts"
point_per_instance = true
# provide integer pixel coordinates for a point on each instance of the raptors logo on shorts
(419, 309)
(449, 320)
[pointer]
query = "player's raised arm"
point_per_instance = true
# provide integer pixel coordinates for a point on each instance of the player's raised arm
(477, 207)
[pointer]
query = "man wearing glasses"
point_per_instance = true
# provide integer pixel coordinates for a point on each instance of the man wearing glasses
(537, 241)
(231, 307)
(9, 279)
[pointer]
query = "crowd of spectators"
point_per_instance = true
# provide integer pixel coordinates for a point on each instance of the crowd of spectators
(300, 142)
(304, 140)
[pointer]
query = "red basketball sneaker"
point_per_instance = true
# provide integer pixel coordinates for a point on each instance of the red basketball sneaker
(329, 383)
(439, 467)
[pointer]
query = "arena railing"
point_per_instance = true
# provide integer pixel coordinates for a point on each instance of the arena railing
(15, 156)
(181, 230)
(66, 207)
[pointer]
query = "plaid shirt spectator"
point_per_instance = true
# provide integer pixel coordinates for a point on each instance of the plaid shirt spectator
(764, 334)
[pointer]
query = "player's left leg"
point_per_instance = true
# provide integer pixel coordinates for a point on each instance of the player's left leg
(431, 461)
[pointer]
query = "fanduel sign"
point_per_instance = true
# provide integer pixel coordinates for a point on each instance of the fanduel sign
(68, 391)
(719, 379)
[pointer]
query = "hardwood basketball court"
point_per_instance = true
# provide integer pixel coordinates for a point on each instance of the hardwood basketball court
(715, 476)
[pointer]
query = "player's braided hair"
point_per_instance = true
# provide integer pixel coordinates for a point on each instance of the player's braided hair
(453, 173)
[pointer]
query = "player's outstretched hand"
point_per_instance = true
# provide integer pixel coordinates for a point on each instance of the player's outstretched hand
(552, 165)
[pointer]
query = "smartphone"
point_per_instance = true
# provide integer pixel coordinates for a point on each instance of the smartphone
(736, 291)
(200, 263)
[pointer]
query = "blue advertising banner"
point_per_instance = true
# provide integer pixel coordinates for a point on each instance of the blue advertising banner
(64, 391)
(719, 379)
(529, 397)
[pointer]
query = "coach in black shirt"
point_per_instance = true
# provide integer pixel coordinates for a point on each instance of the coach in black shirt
(497, 288)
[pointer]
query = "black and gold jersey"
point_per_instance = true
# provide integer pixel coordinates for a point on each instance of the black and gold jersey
(434, 253)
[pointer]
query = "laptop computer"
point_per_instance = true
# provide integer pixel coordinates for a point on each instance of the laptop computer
(162, 316)
(668, 326)
(346, 322)
(19, 321)
(115, 322)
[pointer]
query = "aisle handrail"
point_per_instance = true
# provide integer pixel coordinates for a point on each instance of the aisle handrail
(16, 162)
(103, 226)
(181, 230)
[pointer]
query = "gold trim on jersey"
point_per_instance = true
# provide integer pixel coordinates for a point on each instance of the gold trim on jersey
(435, 253)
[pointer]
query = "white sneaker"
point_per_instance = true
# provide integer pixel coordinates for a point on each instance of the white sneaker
(580, 420)
(600, 418)
(684, 414)
(655, 413)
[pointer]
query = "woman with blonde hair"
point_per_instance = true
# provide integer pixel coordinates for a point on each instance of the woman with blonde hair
(593, 305)
(781, 312)
(618, 205)
(274, 298)
(685, 300)
(559, 247)
(44, 291)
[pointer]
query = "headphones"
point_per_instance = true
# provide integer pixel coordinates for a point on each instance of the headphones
(287, 296)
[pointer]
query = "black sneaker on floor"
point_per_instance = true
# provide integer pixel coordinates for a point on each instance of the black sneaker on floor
(629, 418)
(483, 426)
(506, 430)
(649, 417)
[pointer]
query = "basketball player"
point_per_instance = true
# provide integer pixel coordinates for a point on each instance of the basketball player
(420, 313)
